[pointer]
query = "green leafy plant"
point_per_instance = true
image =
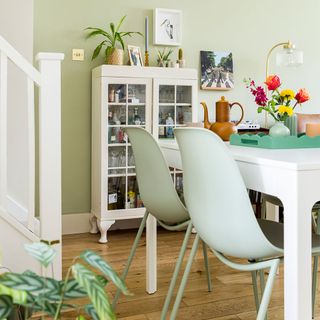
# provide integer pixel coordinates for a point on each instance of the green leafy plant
(112, 37)
(164, 55)
(87, 277)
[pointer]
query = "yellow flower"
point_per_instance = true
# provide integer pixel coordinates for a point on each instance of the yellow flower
(285, 109)
(287, 93)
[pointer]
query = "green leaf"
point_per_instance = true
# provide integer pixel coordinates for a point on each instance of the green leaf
(260, 109)
(117, 36)
(120, 23)
(26, 282)
(18, 296)
(97, 50)
(103, 280)
(74, 290)
(90, 310)
(87, 279)
(112, 28)
(41, 252)
(6, 306)
(96, 261)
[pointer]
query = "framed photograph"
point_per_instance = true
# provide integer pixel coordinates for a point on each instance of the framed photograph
(167, 27)
(216, 70)
(135, 56)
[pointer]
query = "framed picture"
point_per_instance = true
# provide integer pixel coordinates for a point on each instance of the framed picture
(135, 56)
(167, 27)
(216, 70)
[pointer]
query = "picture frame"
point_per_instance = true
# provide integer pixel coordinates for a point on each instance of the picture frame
(135, 56)
(167, 27)
(216, 70)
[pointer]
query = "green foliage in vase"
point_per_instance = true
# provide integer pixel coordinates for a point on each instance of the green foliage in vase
(86, 277)
(112, 37)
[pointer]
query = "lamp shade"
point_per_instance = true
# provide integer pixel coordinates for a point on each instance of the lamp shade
(289, 57)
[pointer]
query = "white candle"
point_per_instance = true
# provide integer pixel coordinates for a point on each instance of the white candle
(146, 33)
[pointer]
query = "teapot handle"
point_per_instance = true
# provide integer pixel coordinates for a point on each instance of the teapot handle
(242, 112)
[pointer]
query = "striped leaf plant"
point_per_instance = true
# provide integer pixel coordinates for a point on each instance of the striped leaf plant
(28, 294)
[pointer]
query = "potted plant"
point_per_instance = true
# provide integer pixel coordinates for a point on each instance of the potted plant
(164, 57)
(113, 38)
(39, 296)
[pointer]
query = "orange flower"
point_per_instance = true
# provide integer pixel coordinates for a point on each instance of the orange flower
(302, 96)
(273, 82)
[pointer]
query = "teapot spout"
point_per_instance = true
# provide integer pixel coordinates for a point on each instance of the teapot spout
(206, 122)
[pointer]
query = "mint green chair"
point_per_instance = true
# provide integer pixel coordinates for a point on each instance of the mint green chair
(221, 212)
(160, 199)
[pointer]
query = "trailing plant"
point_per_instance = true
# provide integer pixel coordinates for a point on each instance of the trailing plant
(50, 297)
(112, 37)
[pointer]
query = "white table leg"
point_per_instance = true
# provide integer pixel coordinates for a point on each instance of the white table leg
(151, 248)
(297, 259)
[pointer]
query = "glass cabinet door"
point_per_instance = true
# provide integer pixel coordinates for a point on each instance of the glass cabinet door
(126, 107)
(174, 108)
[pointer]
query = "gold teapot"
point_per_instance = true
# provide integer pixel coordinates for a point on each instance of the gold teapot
(222, 127)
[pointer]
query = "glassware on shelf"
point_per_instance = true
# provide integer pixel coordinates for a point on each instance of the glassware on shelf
(120, 186)
(112, 196)
(112, 135)
(136, 117)
(130, 158)
(111, 95)
(169, 126)
(122, 159)
(162, 132)
(139, 201)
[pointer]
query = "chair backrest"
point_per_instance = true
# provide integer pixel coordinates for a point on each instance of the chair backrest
(154, 179)
(216, 197)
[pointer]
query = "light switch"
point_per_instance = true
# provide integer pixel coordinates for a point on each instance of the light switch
(77, 54)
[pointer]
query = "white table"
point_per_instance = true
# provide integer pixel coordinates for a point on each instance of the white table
(294, 177)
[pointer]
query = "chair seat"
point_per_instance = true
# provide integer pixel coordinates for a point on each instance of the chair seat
(274, 233)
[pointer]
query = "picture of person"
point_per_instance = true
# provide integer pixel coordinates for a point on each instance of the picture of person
(216, 70)
(135, 56)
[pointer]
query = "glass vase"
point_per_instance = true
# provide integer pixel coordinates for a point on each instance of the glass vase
(292, 124)
(279, 130)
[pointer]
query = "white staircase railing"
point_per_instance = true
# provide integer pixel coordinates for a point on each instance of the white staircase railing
(48, 79)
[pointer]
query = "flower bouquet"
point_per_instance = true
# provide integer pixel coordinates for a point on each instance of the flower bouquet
(281, 103)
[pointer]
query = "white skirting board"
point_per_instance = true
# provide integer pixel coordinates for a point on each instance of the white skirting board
(79, 223)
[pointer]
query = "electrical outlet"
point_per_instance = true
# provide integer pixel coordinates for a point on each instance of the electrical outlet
(77, 54)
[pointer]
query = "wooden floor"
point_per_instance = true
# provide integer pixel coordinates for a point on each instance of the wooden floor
(231, 299)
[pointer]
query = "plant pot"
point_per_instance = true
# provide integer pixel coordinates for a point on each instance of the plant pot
(115, 57)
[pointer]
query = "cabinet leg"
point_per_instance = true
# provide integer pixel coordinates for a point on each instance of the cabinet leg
(104, 226)
(93, 223)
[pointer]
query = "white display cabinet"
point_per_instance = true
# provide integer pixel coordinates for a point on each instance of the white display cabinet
(157, 99)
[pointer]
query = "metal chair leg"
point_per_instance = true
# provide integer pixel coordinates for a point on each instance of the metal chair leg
(132, 252)
(176, 272)
(206, 264)
(262, 284)
(255, 289)
(184, 278)
(315, 269)
(262, 313)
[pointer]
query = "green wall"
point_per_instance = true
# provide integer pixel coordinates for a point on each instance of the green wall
(248, 28)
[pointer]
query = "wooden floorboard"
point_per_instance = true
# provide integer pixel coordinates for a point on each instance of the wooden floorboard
(231, 299)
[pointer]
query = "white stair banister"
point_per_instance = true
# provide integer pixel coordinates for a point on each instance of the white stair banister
(50, 150)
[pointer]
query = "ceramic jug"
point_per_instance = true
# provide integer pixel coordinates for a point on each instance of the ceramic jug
(222, 127)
